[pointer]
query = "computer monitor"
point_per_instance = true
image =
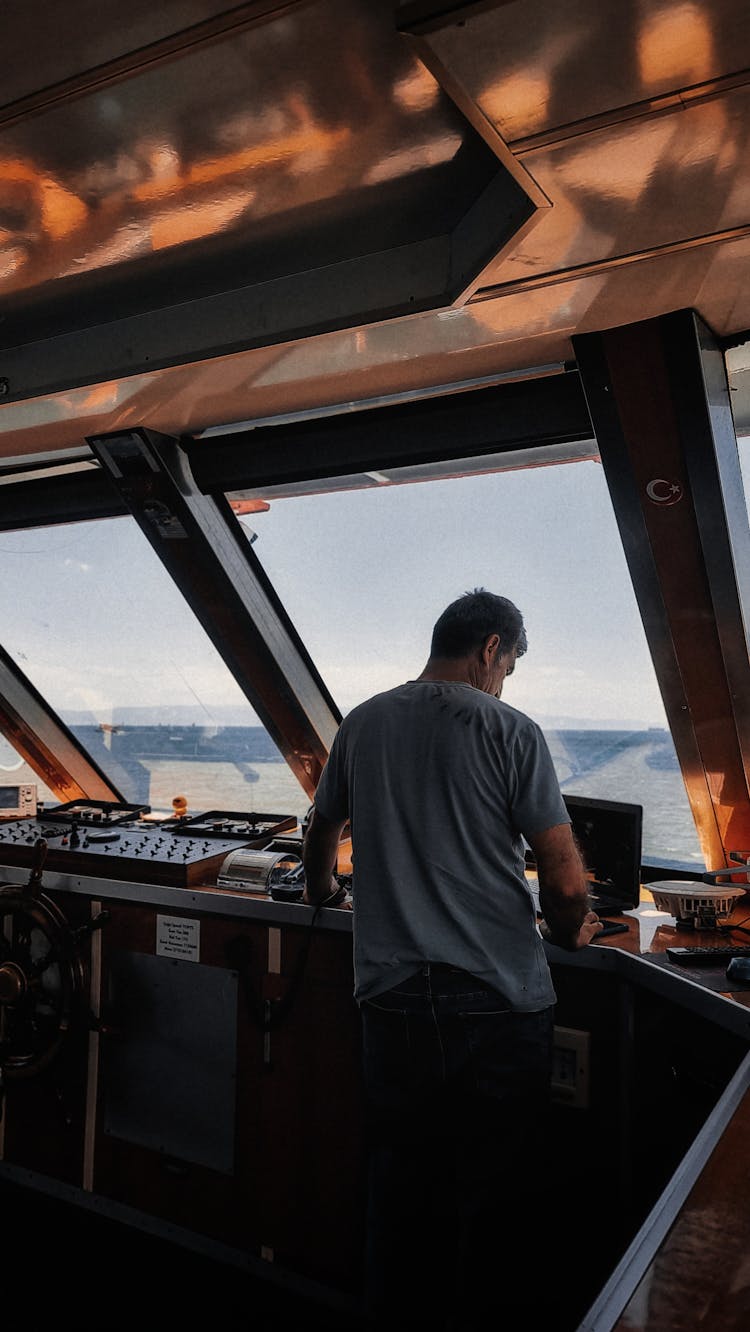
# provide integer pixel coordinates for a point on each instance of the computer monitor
(609, 834)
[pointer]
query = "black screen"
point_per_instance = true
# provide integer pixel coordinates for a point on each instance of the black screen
(608, 833)
(9, 797)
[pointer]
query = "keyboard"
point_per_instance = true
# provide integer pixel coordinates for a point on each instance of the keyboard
(707, 957)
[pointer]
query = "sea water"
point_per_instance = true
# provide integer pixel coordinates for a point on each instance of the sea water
(634, 766)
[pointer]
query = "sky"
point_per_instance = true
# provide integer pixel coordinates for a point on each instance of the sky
(92, 617)
(381, 565)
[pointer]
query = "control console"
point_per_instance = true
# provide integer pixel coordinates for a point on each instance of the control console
(112, 842)
(102, 813)
(254, 829)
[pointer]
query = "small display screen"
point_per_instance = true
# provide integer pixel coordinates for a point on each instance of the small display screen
(608, 833)
(9, 797)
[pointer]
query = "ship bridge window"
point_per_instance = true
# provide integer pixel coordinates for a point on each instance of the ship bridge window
(738, 374)
(364, 565)
(104, 635)
(15, 771)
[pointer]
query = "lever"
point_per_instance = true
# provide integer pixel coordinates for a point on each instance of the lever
(88, 928)
(39, 856)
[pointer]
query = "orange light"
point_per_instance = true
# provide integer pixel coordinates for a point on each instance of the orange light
(302, 144)
(517, 104)
(60, 211)
(249, 506)
(675, 47)
(187, 222)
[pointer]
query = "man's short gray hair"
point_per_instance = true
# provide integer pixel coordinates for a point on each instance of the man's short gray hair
(469, 621)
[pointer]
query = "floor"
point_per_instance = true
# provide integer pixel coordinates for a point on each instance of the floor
(95, 1273)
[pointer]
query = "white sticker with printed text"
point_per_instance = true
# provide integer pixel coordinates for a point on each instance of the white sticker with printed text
(177, 937)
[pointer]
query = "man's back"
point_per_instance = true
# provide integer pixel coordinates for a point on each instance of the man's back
(439, 780)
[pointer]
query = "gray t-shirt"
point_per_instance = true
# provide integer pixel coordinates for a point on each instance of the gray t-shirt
(440, 781)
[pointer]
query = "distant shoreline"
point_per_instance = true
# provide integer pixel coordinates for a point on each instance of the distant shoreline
(583, 748)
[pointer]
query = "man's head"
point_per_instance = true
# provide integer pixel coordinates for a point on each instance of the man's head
(478, 637)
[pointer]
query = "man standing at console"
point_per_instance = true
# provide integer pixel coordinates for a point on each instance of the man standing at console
(441, 782)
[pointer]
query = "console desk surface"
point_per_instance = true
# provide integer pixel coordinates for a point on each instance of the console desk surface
(651, 932)
(687, 1270)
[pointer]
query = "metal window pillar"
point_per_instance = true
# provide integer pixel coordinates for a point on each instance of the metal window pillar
(44, 741)
(659, 401)
(206, 552)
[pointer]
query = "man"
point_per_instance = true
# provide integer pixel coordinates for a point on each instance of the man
(442, 782)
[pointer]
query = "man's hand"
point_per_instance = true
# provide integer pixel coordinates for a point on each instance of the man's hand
(313, 901)
(319, 857)
(342, 902)
(589, 929)
(341, 898)
(563, 890)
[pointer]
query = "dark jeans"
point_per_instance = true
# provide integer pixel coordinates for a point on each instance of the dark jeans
(457, 1088)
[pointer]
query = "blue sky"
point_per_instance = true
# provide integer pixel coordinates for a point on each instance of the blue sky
(380, 565)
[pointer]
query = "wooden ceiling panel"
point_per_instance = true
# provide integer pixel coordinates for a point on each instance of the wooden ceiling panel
(520, 329)
(532, 67)
(626, 126)
(658, 180)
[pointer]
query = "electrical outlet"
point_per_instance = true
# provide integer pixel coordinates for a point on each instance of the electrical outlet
(570, 1067)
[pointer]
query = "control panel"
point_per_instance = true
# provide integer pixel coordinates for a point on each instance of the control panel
(102, 813)
(255, 829)
(110, 842)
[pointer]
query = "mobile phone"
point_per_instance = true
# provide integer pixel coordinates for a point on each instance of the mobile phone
(611, 927)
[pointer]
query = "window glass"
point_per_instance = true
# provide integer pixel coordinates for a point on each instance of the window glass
(364, 574)
(105, 636)
(743, 447)
(15, 771)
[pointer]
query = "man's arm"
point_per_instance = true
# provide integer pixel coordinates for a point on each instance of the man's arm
(319, 857)
(563, 890)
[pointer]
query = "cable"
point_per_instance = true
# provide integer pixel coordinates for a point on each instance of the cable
(730, 929)
(270, 1013)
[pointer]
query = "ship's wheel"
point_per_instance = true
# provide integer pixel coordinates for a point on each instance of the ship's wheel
(41, 978)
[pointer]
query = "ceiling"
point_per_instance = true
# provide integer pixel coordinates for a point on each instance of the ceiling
(214, 215)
